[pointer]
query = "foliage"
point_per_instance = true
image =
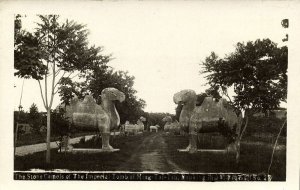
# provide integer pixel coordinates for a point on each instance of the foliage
(256, 70)
(156, 118)
(27, 57)
(264, 126)
(35, 118)
(212, 91)
(66, 90)
(53, 52)
(59, 124)
(64, 46)
(18, 24)
(285, 24)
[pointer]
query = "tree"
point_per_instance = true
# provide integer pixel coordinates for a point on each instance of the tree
(257, 71)
(34, 118)
(59, 124)
(285, 24)
(156, 118)
(53, 52)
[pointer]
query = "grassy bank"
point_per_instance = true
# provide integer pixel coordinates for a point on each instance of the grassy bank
(254, 158)
(84, 162)
(35, 138)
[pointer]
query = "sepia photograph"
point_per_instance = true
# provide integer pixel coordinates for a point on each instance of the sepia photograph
(186, 91)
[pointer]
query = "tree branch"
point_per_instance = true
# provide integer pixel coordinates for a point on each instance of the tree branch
(56, 91)
(41, 90)
(75, 75)
(57, 72)
(53, 81)
(226, 94)
(66, 77)
(69, 74)
(60, 79)
(46, 89)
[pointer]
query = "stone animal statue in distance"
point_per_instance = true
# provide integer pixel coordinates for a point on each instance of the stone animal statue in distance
(211, 116)
(87, 114)
(170, 125)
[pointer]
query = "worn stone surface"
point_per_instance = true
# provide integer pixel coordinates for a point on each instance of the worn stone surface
(88, 114)
(211, 116)
(210, 112)
(153, 128)
(187, 98)
(134, 128)
(90, 151)
(171, 126)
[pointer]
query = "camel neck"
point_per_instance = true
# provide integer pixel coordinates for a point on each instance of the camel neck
(108, 105)
(189, 106)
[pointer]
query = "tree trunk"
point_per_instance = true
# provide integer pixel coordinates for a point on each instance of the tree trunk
(48, 137)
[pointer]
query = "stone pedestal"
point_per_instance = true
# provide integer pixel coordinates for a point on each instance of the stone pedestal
(217, 151)
(232, 150)
(91, 151)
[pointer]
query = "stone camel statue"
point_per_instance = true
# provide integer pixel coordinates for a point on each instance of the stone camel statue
(211, 116)
(87, 114)
(153, 128)
(170, 125)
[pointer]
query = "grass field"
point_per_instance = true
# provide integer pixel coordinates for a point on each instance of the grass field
(91, 162)
(34, 138)
(255, 158)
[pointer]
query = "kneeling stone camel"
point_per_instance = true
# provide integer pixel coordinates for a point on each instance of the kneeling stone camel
(211, 116)
(87, 114)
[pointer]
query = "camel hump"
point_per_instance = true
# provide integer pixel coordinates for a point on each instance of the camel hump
(209, 108)
(88, 99)
(88, 105)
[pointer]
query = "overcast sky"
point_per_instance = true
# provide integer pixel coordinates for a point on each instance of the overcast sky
(162, 44)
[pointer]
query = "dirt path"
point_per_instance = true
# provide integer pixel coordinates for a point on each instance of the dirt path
(29, 149)
(151, 155)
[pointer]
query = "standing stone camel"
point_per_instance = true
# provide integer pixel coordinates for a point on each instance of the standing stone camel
(211, 116)
(87, 114)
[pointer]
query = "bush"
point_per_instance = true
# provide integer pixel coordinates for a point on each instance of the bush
(269, 125)
(59, 124)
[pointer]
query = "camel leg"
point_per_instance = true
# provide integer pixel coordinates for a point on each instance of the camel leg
(190, 143)
(105, 141)
(192, 147)
(193, 143)
(194, 137)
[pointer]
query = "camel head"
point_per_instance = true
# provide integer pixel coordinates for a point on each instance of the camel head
(185, 98)
(112, 94)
